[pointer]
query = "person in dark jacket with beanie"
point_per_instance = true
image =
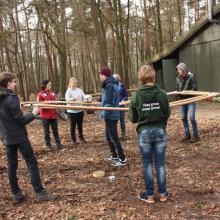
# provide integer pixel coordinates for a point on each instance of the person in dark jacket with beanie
(123, 97)
(49, 116)
(110, 98)
(186, 81)
(15, 137)
(149, 108)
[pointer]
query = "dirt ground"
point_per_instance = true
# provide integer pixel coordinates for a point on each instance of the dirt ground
(193, 174)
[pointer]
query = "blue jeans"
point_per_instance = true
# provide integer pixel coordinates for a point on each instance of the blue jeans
(152, 143)
(111, 135)
(122, 122)
(189, 111)
(31, 162)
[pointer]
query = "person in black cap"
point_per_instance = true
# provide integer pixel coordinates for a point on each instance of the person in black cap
(49, 116)
(111, 98)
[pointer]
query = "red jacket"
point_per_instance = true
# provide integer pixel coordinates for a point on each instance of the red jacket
(47, 96)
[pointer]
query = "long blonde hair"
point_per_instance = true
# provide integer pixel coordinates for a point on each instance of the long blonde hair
(71, 80)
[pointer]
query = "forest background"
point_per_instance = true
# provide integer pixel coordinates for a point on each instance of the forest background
(57, 39)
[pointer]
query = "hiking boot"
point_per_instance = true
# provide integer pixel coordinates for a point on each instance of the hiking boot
(18, 198)
(164, 197)
(48, 147)
(45, 196)
(144, 197)
(119, 163)
(60, 146)
(194, 140)
(186, 138)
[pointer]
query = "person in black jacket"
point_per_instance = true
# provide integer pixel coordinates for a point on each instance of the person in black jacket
(15, 137)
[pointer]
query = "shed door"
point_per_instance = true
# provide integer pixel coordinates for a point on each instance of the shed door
(169, 74)
(215, 59)
(203, 67)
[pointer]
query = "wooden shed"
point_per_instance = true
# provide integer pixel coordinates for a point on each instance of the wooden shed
(199, 48)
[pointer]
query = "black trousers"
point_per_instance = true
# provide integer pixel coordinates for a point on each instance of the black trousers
(54, 126)
(111, 135)
(76, 119)
(31, 162)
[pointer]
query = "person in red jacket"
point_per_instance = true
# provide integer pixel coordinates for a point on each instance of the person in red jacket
(49, 116)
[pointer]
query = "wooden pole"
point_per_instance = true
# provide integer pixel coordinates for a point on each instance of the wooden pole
(62, 102)
(172, 104)
(51, 106)
(98, 94)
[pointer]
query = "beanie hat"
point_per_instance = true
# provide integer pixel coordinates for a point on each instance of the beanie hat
(105, 71)
(44, 83)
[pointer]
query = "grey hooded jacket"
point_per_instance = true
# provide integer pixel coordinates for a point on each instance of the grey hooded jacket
(188, 83)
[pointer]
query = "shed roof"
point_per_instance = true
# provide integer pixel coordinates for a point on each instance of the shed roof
(195, 28)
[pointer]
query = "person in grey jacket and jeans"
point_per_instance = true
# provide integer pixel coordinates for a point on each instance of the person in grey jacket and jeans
(186, 81)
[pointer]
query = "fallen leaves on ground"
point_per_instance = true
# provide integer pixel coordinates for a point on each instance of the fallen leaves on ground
(193, 175)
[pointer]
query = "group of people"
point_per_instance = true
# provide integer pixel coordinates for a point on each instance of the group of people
(73, 94)
(149, 108)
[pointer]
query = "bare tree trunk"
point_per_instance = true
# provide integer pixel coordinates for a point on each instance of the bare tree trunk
(56, 72)
(31, 73)
(37, 57)
(5, 46)
(146, 32)
(179, 16)
(123, 45)
(118, 41)
(22, 77)
(100, 33)
(62, 50)
(159, 26)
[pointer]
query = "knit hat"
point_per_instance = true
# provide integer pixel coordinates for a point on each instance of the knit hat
(44, 83)
(105, 71)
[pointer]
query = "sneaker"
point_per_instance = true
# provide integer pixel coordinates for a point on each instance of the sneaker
(119, 163)
(164, 197)
(123, 137)
(186, 138)
(83, 141)
(144, 197)
(48, 147)
(45, 196)
(60, 146)
(111, 158)
(18, 198)
(194, 140)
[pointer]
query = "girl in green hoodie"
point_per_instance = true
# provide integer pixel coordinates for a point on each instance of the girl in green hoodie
(149, 108)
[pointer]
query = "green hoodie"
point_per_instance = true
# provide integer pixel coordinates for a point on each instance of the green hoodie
(216, 99)
(149, 107)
